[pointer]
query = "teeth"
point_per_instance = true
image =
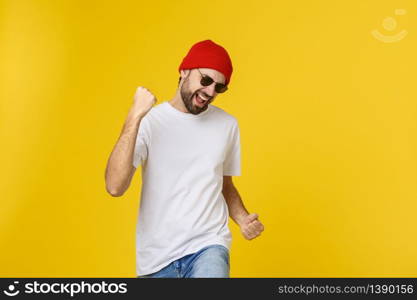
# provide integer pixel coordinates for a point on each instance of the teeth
(201, 96)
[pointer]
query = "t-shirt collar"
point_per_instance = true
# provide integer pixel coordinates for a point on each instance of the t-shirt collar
(184, 115)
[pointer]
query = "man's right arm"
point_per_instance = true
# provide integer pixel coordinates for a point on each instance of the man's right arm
(120, 169)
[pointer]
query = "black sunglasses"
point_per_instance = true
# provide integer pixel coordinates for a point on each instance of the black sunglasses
(207, 80)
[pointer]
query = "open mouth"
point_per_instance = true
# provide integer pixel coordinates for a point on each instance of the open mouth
(200, 100)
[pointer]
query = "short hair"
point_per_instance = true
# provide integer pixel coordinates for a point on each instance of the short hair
(179, 80)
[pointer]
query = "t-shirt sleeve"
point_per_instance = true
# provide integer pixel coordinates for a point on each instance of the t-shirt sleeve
(140, 154)
(231, 165)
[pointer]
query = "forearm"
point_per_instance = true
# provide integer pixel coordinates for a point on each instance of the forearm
(237, 210)
(119, 165)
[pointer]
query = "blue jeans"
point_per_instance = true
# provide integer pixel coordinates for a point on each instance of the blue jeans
(211, 261)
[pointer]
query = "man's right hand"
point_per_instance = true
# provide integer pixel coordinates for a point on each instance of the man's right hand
(143, 102)
(120, 169)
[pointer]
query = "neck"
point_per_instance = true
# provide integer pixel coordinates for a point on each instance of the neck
(177, 102)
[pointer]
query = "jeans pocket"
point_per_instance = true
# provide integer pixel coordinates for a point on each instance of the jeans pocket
(226, 255)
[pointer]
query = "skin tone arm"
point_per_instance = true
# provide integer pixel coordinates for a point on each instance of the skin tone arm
(249, 224)
(120, 170)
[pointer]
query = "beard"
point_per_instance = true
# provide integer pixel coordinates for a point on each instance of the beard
(187, 98)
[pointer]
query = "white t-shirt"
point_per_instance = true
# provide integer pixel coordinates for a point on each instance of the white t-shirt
(184, 158)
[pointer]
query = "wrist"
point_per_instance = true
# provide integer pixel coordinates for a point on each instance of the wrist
(134, 117)
(240, 219)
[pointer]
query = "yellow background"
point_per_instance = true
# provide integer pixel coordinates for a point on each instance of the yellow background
(328, 119)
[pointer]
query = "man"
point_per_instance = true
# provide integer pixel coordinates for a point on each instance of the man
(189, 150)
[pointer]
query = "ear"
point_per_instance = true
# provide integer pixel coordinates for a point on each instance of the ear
(185, 73)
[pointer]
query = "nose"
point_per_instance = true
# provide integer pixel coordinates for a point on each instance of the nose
(209, 90)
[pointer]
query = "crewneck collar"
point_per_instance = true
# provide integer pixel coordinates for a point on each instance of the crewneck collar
(184, 115)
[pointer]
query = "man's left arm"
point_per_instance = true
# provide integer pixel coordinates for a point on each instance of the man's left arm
(249, 224)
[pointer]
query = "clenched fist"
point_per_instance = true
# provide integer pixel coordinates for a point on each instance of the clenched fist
(251, 227)
(143, 101)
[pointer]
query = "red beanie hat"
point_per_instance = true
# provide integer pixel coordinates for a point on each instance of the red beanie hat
(207, 54)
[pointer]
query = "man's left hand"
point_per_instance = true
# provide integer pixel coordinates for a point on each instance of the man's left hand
(251, 227)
